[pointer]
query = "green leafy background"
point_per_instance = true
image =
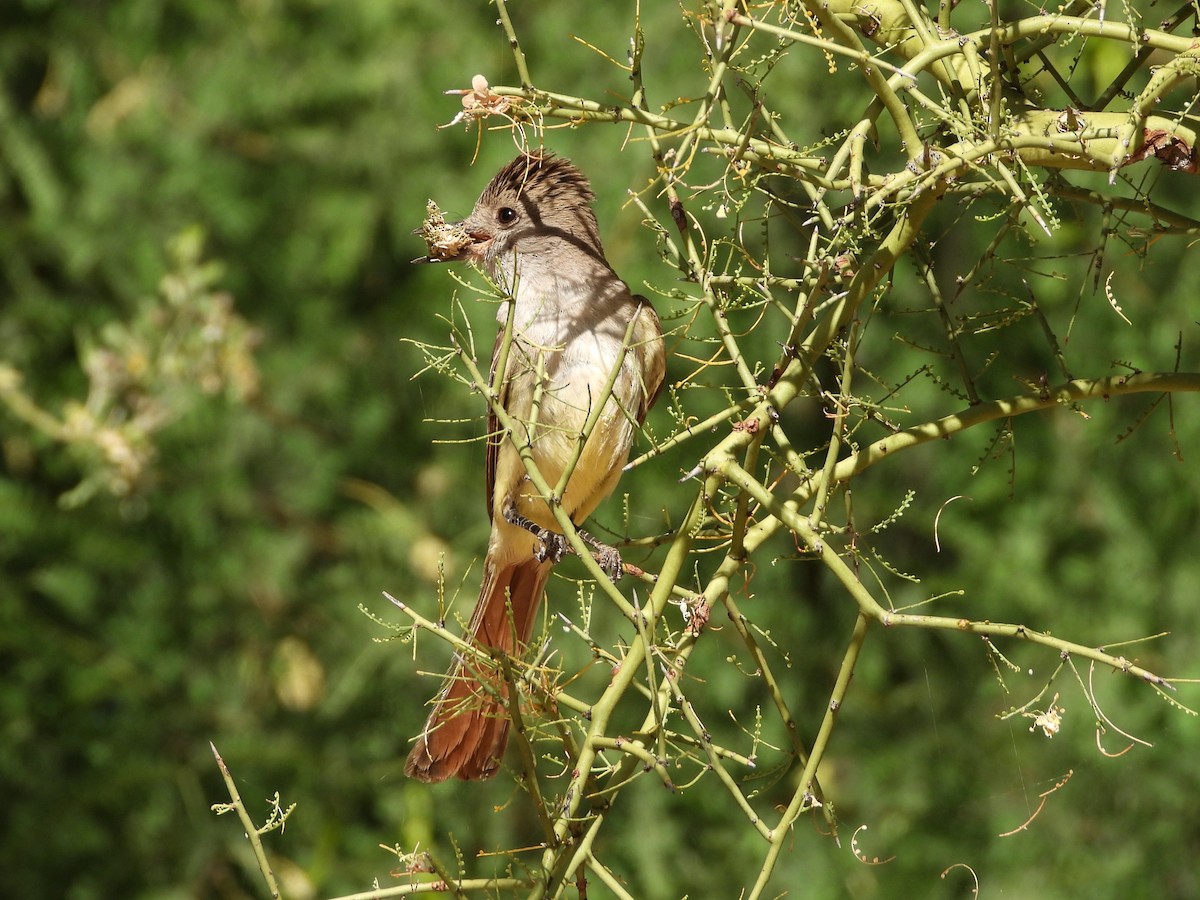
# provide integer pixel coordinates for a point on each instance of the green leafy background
(220, 602)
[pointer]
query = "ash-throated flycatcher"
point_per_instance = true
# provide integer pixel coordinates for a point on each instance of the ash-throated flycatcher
(575, 323)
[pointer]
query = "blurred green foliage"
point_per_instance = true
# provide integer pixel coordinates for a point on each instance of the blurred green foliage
(214, 596)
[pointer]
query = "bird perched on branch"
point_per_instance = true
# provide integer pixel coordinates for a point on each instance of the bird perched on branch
(582, 366)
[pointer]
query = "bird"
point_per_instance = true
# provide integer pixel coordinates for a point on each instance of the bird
(575, 327)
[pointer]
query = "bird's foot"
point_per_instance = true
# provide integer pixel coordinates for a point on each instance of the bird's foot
(607, 558)
(551, 547)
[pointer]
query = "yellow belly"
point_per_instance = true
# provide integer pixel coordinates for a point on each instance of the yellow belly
(553, 423)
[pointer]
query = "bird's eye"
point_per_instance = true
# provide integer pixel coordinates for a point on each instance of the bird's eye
(507, 215)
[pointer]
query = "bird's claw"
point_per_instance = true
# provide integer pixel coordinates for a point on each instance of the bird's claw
(551, 547)
(609, 560)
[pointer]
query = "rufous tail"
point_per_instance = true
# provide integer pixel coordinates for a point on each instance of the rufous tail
(467, 731)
